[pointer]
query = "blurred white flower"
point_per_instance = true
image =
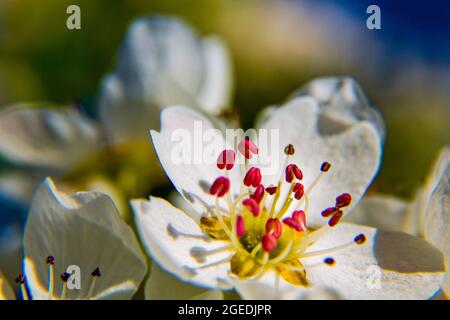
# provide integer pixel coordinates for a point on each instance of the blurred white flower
(163, 62)
(84, 229)
(426, 216)
(234, 236)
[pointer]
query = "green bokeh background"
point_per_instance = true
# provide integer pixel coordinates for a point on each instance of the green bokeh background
(41, 60)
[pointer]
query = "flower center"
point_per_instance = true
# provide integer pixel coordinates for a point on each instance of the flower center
(267, 227)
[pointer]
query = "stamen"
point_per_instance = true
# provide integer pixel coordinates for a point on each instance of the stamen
(220, 186)
(64, 277)
(297, 221)
(292, 171)
(330, 250)
(20, 279)
(329, 261)
(95, 274)
(271, 189)
(274, 227)
(247, 148)
(269, 242)
(226, 160)
(253, 177)
(51, 284)
(258, 194)
(325, 166)
(360, 239)
(289, 150)
(335, 218)
(343, 200)
(328, 212)
(240, 226)
(299, 191)
(252, 206)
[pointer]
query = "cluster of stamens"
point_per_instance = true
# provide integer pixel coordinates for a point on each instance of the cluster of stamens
(268, 233)
(65, 277)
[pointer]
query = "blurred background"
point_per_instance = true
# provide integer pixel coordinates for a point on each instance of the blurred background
(276, 47)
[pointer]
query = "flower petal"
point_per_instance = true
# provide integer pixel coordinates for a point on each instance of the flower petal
(354, 153)
(390, 265)
(46, 138)
(177, 244)
(164, 286)
(6, 293)
(83, 229)
(188, 159)
(342, 102)
(437, 211)
(387, 213)
(161, 62)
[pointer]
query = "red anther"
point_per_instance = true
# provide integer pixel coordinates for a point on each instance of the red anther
(328, 212)
(298, 190)
(293, 223)
(226, 159)
(329, 261)
(252, 206)
(258, 194)
(269, 242)
(343, 200)
(240, 226)
(293, 171)
(274, 227)
(360, 239)
(325, 166)
(247, 148)
(220, 186)
(300, 216)
(271, 189)
(334, 220)
(289, 150)
(253, 177)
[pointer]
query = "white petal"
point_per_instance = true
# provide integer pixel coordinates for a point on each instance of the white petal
(46, 138)
(342, 102)
(437, 211)
(161, 62)
(215, 94)
(164, 286)
(354, 153)
(6, 293)
(390, 265)
(384, 212)
(188, 159)
(83, 229)
(177, 244)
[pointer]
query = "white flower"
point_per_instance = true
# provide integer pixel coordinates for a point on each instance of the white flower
(427, 215)
(163, 62)
(251, 238)
(83, 230)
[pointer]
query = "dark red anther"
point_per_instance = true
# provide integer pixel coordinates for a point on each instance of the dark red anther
(253, 177)
(293, 223)
(271, 189)
(292, 171)
(96, 272)
(343, 200)
(360, 239)
(240, 226)
(252, 206)
(289, 150)
(300, 216)
(329, 261)
(220, 186)
(269, 242)
(334, 220)
(328, 212)
(258, 194)
(325, 166)
(274, 227)
(50, 260)
(247, 148)
(226, 160)
(65, 276)
(20, 279)
(298, 190)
